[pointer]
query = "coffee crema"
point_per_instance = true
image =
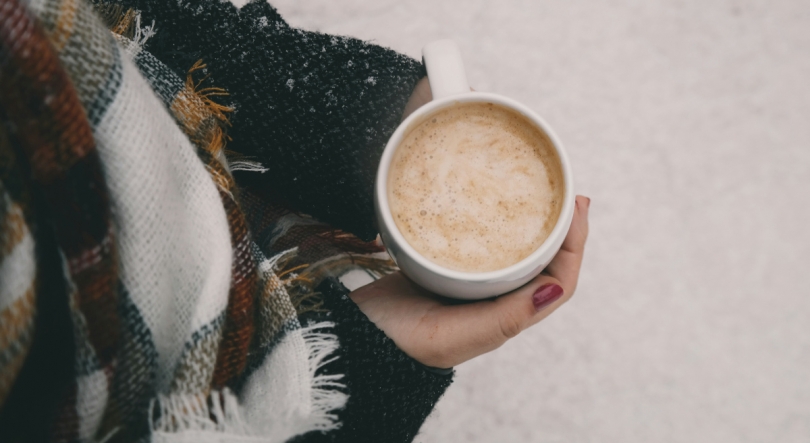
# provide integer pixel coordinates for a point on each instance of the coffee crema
(475, 187)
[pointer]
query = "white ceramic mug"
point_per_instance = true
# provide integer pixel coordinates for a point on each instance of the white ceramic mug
(448, 84)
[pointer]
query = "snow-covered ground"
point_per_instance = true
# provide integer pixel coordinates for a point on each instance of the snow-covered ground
(688, 123)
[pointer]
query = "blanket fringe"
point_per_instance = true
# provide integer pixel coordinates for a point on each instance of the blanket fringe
(327, 393)
(217, 412)
(247, 165)
(126, 26)
(218, 415)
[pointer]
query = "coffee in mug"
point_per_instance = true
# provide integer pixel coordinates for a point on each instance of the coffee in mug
(475, 187)
(474, 192)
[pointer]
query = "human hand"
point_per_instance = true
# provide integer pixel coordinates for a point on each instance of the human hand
(442, 333)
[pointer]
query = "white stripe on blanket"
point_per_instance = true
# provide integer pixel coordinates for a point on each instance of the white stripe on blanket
(173, 235)
(18, 268)
(282, 399)
(175, 251)
(298, 404)
(92, 391)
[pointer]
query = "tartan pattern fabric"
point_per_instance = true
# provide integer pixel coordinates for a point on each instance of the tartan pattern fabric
(184, 327)
(17, 270)
(56, 139)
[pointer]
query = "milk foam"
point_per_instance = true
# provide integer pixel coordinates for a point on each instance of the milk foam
(475, 187)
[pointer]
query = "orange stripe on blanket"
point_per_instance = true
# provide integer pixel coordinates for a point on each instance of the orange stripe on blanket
(16, 333)
(64, 24)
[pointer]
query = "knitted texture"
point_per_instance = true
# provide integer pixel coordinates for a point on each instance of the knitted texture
(316, 110)
(390, 394)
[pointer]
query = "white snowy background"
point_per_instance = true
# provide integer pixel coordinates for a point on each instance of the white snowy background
(688, 123)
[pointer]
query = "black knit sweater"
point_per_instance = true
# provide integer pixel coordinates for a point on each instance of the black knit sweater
(316, 110)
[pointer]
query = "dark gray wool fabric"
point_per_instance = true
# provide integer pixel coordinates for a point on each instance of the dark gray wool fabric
(390, 394)
(316, 110)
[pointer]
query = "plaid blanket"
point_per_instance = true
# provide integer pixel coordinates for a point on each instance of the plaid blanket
(184, 292)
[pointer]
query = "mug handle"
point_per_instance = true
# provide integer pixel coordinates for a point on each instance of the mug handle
(445, 69)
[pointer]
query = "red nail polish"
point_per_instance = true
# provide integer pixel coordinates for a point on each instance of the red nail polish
(546, 295)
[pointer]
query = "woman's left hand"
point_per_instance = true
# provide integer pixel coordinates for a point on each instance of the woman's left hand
(442, 333)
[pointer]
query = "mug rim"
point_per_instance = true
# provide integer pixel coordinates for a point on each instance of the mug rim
(525, 265)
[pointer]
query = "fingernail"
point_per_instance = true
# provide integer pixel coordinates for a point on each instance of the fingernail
(546, 295)
(587, 202)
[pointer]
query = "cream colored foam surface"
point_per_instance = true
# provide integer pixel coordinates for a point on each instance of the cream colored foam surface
(475, 187)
